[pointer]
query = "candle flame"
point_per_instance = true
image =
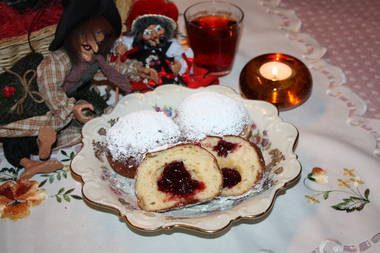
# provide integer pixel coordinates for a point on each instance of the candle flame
(274, 73)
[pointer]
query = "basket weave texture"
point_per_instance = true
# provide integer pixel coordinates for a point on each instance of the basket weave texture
(14, 48)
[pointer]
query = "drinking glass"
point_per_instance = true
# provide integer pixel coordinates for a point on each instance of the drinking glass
(213, 29)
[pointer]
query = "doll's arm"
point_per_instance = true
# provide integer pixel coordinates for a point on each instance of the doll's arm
(121, 46)
(176, 51)
(51, 74)
(114, 75)
(131, 68)
(121, 49)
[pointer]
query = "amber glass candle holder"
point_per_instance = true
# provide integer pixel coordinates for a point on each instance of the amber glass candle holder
(277, 78)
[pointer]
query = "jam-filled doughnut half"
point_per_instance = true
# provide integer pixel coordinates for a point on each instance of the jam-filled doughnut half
(175, 177)
(240, 161)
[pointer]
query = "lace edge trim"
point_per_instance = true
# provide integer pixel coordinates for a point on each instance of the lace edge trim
(313, 55)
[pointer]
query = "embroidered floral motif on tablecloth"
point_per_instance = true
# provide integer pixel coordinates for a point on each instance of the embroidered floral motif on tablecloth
(354, 200)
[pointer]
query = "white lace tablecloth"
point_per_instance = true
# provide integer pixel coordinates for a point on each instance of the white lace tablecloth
(350, 31)
(306, 218)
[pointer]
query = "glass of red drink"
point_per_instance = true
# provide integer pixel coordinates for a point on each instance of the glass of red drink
(213, 29)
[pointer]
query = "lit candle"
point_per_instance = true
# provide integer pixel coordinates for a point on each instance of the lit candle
(280, 79)
(275, 71)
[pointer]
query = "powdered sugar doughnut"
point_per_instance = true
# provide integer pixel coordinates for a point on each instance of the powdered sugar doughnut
(211, 114)
(137, 133)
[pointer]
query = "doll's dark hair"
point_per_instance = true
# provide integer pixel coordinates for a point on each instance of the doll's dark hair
(143, 23)
(87, 29)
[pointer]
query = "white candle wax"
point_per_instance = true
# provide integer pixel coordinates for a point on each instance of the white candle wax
(275, 71)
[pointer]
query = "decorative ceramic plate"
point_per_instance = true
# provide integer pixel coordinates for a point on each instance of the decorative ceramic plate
(102, 186)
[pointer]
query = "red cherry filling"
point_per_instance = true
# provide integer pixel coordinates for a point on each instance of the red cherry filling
(224, 147)
(231, 177)
(177, 180)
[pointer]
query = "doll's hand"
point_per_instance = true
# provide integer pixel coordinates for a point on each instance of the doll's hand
(175, 67)
(79, 113)
(121, 49)
(148, 73)
(118, 66)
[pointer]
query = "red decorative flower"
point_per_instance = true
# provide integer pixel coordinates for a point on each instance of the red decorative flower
(319, 175)
(17, 197)
(9, 91)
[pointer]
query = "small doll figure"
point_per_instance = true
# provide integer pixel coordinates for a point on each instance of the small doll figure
(84, 36)
(151, 40)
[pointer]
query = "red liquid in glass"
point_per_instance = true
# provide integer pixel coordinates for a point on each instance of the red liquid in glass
(214, 41)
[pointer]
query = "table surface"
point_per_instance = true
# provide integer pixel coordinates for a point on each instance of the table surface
(338, 129)
(350, 31)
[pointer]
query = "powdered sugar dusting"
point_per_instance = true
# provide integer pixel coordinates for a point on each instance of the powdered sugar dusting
(139, 132)
(211, 114)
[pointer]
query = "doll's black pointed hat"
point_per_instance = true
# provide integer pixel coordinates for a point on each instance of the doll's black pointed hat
(78, 11)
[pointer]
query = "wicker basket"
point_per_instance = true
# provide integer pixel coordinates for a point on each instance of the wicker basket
(14, 48)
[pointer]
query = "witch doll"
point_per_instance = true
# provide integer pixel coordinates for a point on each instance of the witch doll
(60, 97)
(151, 40)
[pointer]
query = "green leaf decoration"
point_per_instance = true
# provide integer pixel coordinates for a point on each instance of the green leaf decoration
(355, 200)
(69, 191)
(351, 204)
(65, 160)
(310, 177)
(9, 174)
(60, 191)
(8, 170)
(72, 155)
(63, 152)
(66, 197)
(64, 174)
(51, 179)
(366, 194)
(42, 183)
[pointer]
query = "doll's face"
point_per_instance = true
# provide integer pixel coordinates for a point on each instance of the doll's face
(90, 44)
(93, 36)
(153, 33)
